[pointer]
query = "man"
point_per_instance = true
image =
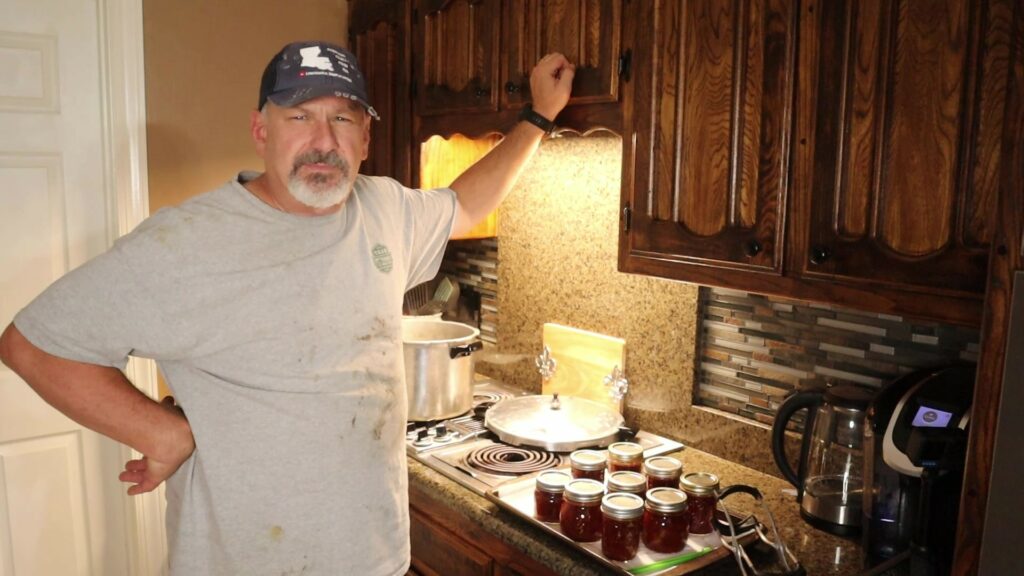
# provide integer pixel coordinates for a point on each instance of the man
(272, 305)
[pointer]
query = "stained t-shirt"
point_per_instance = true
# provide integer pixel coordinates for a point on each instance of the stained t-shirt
(280, 336)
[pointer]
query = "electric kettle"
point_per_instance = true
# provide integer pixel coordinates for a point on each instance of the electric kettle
(830, 475)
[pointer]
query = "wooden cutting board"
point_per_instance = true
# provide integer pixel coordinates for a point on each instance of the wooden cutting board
(583, 359)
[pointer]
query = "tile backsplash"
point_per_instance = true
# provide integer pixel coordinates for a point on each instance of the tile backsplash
(755, 350)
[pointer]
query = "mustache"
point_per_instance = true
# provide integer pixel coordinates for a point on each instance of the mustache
(318, 157)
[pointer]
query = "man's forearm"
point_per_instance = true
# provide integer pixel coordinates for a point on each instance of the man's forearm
(97, 397)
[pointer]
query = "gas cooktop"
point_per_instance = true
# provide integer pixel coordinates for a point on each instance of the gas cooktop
(463, 450)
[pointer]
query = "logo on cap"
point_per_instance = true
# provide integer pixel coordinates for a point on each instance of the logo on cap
(311, 58)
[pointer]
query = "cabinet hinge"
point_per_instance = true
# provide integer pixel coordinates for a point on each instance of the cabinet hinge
(625, 63)
(627, 218)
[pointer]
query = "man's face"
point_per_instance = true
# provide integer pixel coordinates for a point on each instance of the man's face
(314, 148)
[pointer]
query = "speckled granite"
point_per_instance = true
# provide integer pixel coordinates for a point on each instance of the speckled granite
(818, 552)
(558, 263)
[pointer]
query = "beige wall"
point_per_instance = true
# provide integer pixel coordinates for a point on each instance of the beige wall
(203, 65)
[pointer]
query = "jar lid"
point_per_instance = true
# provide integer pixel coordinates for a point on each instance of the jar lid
(553, 481)
(625, 451)
(662, 499)
(621, 506)
(663, 467)
(700, 483)
(584, 490)
(587, 460)
(627, 481)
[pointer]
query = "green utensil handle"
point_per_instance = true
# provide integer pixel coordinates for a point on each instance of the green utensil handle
(670, 562)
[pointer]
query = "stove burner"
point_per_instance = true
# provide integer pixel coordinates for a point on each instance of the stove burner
(491, 397)
(501, 459)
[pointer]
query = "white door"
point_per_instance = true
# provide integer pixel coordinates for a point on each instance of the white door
(62, 510)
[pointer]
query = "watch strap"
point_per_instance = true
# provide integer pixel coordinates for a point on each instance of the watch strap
(528, 114)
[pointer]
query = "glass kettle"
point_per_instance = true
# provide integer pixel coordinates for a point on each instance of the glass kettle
(830, 472)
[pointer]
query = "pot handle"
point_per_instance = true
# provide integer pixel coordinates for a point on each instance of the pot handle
(460, 351)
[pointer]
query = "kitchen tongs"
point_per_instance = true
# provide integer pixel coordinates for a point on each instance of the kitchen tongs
(762, 523)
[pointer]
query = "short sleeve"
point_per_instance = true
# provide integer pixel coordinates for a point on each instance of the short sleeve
(429, 218)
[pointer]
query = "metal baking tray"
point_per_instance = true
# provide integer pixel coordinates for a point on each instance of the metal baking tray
(516, 496)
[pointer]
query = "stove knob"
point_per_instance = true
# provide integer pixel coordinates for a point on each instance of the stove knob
(441, 433)
(422, 439)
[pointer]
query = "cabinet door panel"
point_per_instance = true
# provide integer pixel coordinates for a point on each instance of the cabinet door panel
(437, 550)
(712, 110)
(379, 35)
(588, 32)
(456, 55)
(910, 99)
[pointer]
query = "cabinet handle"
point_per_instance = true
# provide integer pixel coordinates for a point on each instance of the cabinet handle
(819, 254)
(480, 92)
(511, 87)
(752, 248)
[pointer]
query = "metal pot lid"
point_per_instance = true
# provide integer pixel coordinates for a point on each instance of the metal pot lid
(559, 425)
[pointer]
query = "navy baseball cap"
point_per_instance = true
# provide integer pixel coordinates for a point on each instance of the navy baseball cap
(305, 70)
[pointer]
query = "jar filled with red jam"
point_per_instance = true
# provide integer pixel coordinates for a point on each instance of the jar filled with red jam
(588, 464)
(622, 522)
(629, 482)
(625, 456)
(702, 495)
(547, 495)
(580, 516)
(663, 472)
(665, 520)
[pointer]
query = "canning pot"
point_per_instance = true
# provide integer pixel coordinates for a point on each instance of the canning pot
(439, 365)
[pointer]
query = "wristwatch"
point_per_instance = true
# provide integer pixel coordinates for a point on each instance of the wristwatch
(529, 115)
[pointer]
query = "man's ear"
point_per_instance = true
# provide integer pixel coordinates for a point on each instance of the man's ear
(366, 136)
(258, 130)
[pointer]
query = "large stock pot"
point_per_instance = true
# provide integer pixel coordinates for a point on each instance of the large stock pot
(439, 367)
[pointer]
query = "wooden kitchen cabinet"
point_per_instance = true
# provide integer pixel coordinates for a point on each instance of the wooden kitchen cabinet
(472, 60)
(445, 543)
(705, 171)
(902, 129)
(587, 32)
(455, 56)
(379, 37)
(845, 152)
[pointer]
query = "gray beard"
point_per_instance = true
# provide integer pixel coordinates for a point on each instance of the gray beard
(319, 197)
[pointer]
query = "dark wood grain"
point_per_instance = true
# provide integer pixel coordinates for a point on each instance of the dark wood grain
(908, 103)
(1007, 257)
(711, 109)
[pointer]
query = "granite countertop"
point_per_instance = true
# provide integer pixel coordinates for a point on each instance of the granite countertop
(817, 551)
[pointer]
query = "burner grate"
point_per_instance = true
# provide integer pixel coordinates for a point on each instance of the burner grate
(501, 459)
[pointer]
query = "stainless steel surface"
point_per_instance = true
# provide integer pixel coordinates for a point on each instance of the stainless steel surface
(466, 433)
(556, 424)
(438, 385)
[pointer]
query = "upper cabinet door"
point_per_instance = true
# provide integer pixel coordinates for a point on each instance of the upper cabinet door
(456, 55)
(378, 31)
(907, 112)
(706, 182)
(587, 32)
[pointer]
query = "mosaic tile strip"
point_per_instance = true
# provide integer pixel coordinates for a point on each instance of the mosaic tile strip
(474, 263)
(755, 350)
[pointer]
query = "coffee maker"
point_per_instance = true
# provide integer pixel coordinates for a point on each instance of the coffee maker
(915, 441)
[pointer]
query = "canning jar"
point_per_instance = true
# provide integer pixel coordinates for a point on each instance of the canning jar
(621, 525)
(625, 456)
(663, 471)
(588, 464)
(547, 495)
(580, 516)
(626, 481)
(702, 496)
(665, 520)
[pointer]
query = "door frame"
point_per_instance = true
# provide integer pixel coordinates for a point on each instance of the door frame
(123, 88)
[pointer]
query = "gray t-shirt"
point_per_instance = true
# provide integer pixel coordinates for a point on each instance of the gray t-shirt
(280, 336)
